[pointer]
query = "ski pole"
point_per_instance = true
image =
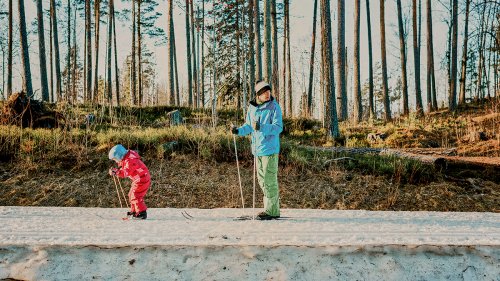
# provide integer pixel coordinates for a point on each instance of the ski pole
(239, 175)
(123, 193)
(117, 192)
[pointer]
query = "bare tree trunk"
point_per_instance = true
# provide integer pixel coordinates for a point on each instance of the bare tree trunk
(251, 45)
(74, 56)
(341, 76)
(202, 93)
(416, 59)
(110, 46)
(51, 56)
(371, 105)
(193, 50)
(275, 58)
(268, 70)
(328, 70)
(452, 96)
(133, 83)
(41, 53)
(139, 55)
(68, 61)
(385, 87)
(88, 24)
(311, 63)
(431, 82)
(258, 50)
(290, 92)
(9, 54)
(402, 50)
(25, 57)
(170, 52)
(97, 14)
(117, 77)
(188, 51)
(284, 97)
(176, 74)
(463, 76)
(53, 14)
(358, 107)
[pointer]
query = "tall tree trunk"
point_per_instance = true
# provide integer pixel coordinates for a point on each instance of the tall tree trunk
(9, 52)
(284, 98)
(402, 50)
(267, 42)
(385, 87)
(482, 42)
(110, 46)
(133, 83)
(371, 105)
(88, 24)
(416, 59)
(97, 11)
(290, 92)
(41, 53)
(193, 50)
(328, 70)
(202, 93)
(25, 56)
(170, 54)
(452, 96)
(358, 107)
(311, 63)
(275, 64)
(176, 73)
(139, 54)
(251, 46)
(463, 77)
(51, 56)
(53, 14)
(341, 76)
(188, 51)
(431, 82)
(117, 78)
(258, 50)
(68, 61)
(74, 56)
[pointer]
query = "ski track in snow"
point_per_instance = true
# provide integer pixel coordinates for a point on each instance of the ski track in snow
(50, 243)
(103, 227)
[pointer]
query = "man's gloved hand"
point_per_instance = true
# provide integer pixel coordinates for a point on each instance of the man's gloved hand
(234, 130)
(256, 125)
(112, 171)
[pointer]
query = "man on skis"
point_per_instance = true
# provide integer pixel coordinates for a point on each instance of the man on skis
(265, 122)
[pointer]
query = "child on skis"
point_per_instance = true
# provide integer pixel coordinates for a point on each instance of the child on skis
(130, 166)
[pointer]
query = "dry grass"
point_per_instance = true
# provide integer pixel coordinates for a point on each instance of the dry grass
(189, 181)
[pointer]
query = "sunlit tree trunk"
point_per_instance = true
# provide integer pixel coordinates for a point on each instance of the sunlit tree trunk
(328, 70)
(109, 86)
(25, 57)
(311, 62)
(341, 65)
(117, 77)
(431, 79)
(258, 50)
(41, 53)
(188, 52)
(251, 46)
(463, 77)
(287, 27)
(193, 52)
(402, 50)
(371, 105)
(55, 43)
(268, 71)
(275, 58)
(9, 52)
(385, 87)
(358, 107)
(88, 62)
(170, 54)
(416, 59)
(452, 95)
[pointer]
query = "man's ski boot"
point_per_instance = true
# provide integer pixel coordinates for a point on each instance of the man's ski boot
(141, 216)
(264, 217)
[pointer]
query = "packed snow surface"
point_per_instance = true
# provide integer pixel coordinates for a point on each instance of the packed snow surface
(38, 243)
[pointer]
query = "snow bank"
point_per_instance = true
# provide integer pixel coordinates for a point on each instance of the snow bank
(92, 243)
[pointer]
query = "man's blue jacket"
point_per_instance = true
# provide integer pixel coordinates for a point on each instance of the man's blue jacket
(266, 140)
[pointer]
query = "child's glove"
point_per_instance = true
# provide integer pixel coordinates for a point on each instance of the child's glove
(112, 171)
